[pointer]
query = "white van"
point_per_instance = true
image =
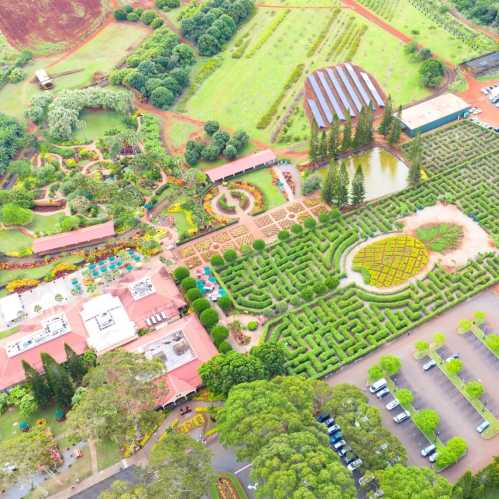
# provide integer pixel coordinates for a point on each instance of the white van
(378, 385)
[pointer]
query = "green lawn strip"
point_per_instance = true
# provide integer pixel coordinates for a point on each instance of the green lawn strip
(95, 124)
(263, 180)
(8, 332)
(36, 272)
(108, 453)
(480, 335)
(478, 405)
(235, 482)
(9, 421)
(12, 241)
(180, 131)
(46, 224)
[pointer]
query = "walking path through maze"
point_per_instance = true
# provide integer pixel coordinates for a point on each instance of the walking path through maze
(338, 326)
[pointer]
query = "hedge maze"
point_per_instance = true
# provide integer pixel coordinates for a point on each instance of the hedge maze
(451, 146)
(330, 328)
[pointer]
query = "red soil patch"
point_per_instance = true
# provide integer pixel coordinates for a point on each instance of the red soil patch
(26, 23)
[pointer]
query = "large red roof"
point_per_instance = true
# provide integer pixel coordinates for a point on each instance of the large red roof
(80, 236)
(241, 165)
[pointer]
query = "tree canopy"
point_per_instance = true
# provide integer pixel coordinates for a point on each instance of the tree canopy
(12, 138)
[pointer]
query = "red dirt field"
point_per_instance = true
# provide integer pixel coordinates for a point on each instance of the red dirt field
(26, 23)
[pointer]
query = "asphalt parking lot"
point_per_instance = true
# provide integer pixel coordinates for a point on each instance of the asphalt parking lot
(433, 390)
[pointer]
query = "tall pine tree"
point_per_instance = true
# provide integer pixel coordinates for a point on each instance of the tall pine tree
(39, 387)
(58, 380)
(359, 136)
(396, 129)
(329, 184)
(343, 185)
(386, 122)
(314, 146)
(334, 138)
(369, 124)
(323, 147)
(75, 364)
(358, 190)
(416, 158)
(346, 142)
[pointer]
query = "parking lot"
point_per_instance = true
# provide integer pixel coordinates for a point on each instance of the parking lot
(433, 390)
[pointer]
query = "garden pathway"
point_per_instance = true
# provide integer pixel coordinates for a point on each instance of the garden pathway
(287, 189)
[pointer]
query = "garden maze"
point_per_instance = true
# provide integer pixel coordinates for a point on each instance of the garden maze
(334, 327)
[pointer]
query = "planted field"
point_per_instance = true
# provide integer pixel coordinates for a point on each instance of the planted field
(440, 237)
(391, 261)
(337, 327)
(36, 24)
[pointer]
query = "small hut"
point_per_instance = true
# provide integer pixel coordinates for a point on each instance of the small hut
(44, 79)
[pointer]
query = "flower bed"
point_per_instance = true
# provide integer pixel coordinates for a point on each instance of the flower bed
(254, 191)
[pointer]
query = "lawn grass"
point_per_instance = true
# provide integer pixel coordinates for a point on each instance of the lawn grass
(9, 421)
(13, 241)
(101, 54)
(36, 272)
(8, 332)
(108, 453)
(96, 123)
(46, 224)
(179, 132)
(263, 179)
(235, 482)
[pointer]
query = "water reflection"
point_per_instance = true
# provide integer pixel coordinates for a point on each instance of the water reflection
(383, 173)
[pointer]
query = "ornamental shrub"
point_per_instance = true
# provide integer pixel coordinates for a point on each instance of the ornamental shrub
(217, 260)
(200, 304)
(252, 325)
(323, 217)
(283, 235)
(320, 288)
(225, 347)
(187, 283)
(307, 294)
(259, 245)
(310, 223)
(230, 255)
(120, 15)
(148, 16)
(181, 273)
(209, 318)
(193, 294)
(219, 333)
(332, 282)
(225, 303)
(296, 229)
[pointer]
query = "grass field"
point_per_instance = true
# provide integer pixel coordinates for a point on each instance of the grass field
(243, 89)
(100, 54)
(108, 453)
(35, 273)
(48, 224)
(179, 132)
(96, 123)
(12, 241)
(263, 179)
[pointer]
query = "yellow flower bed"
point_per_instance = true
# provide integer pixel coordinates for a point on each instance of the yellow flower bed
(195, 422)
(391, 261)
(176, 208)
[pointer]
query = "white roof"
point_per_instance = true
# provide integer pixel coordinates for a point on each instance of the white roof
(141, 288)
(433, 109)
(107, 322)
(42, 75)
(10, 307)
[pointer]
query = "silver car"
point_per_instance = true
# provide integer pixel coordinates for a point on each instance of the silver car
(402, 416)
(428, 450)
(482, 426)
(392, 404)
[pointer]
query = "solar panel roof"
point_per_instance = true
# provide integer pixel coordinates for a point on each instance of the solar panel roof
(358, 84)
(316, 113)
(339, 90)
(373, 90)
(332, 98)
(350, 90)
(320, 97)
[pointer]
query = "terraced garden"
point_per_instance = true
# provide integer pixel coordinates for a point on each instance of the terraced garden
(325, 329)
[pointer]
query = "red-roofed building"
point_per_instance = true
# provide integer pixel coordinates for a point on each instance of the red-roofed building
(262, 158)
(145, 297)
(73, 239)
(183, 346)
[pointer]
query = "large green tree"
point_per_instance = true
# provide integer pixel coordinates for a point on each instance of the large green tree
(300, 465)
(225, 371)
(75, 364)
(38, 383)
(119, 399)
(358, 189)
(15, 215)
(415, 161)
(428, 420)
(386, 122)
(273, 356)
(256, 412)
(343, 186)
(12, 138)
(329, 185)
(58, 380)
(401, 482)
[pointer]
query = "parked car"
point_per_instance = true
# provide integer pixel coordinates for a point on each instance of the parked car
(428, 450)
(336, 437)
(392, 404)
(323, 417)
(343, 451)
(339, 444)
(355, 464)
(433, 457)
(349, 457)
(383, 393)
(366, 479)
(402, 416)
(452, 357)
(378, 385)
(329, 422)
(333, 429)
(428, 365)
(482, 426)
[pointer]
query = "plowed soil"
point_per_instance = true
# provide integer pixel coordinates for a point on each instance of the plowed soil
(28, 23)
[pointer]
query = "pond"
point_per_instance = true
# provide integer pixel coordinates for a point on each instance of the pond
(383, 172)
(95, 123)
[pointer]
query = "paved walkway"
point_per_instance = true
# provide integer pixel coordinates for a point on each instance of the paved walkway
(287, 189)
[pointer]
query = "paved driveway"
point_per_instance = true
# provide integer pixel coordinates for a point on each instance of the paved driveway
(433, 390)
